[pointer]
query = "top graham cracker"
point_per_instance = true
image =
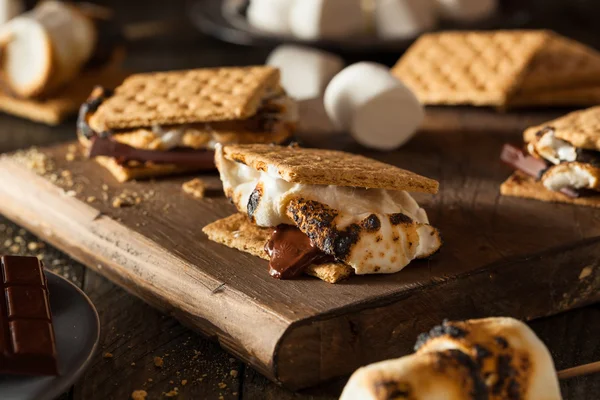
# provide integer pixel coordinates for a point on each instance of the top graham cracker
(328, 167)
(181, 97)
(580, 128)
(479, 68)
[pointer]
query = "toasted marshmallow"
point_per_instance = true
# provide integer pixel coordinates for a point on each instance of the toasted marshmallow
(305, 72)
(270, 15)
(388, 228)
(467, 10)
(548, 146)
(379, 111)
(572, 175)
(46, 47)
(444, 375)
(403, 19)
(170, 137)
(327, 19)
(509, 354)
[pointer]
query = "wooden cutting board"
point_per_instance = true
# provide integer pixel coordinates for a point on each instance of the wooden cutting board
(501, 256)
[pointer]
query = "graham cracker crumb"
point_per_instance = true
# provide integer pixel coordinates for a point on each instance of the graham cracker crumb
(158, 362)
(139, 394)
(35, 160)
(108, 355)
(184, 382)
(172, 393)
(126, 199)
(222, 385)
(195, 187)
(91, 199)
(233, 373)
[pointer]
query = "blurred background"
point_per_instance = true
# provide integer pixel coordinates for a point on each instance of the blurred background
(188, 38)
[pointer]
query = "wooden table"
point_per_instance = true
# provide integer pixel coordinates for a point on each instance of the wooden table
(134, 335)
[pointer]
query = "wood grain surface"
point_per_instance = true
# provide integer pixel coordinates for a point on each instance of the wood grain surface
(497, 259)
(571, 336)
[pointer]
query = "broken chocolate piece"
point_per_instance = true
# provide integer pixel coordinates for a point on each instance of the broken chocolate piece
(291, 252)
(27, 345)
(534, 167)
(106, 146)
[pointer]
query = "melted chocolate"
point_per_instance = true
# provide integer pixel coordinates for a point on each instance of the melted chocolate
(99, 94)
(106, 146)
(291, 252)
(534, 167)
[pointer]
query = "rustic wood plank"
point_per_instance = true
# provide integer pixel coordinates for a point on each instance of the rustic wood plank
(133, 334)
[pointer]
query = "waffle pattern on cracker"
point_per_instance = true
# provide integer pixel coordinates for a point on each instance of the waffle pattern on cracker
(562, 63)
(580, 128)
(328, 167)
(181, 97)
(480, 68)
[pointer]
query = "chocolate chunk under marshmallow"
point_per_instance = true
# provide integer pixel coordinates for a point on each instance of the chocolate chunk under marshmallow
(376, 108)
(305, 72)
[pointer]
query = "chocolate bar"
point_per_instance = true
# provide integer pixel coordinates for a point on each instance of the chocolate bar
(105, 146)
(291, 252)
(534, 167)
(27, 345)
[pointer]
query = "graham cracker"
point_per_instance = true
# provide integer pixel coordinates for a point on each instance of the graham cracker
(477, 67)
(137, 170)
(572, 97)
(202, 137)
(54, 110)
(237, 232)
(182, 97)
(521, 185)
(562, 63)
(328, 167)
(580, 128)
(196, 188)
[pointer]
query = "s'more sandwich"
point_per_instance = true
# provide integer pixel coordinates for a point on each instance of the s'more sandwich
(326, 213)
(561, 162)
(157, 124)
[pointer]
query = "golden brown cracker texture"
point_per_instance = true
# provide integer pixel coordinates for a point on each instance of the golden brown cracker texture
(328, 167)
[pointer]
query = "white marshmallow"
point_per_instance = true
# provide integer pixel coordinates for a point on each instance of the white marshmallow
(305, 72)
(379, 111)
(402, 19)
(10, 9)
(327, 19)
(467, 10)
(46, 47)
(270, 15)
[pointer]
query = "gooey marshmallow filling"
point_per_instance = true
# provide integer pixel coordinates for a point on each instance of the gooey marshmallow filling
(172, 137)
(387, 250)
(553, 149)
(569, 175)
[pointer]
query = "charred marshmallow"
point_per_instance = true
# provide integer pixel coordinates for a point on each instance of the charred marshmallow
(388, 228)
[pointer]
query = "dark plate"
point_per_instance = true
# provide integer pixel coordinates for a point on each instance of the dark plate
(77, 330)
(225, 20)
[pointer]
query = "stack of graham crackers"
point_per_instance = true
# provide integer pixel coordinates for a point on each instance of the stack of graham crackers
(502, 69)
